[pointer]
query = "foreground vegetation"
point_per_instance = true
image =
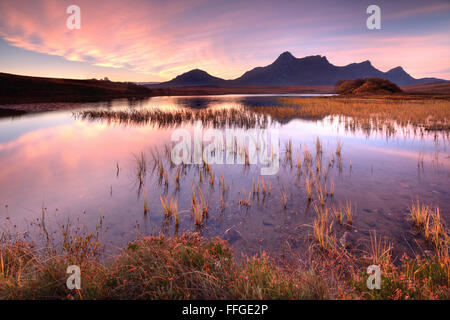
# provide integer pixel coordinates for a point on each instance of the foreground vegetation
(191, 267)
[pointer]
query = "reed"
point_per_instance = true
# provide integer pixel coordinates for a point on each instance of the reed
(246, 201)
(339, 214)
(246, 157)
(176, 216)
(169, 206)
(264, 189)
(437, 229)
(283, 198)
(197, 214)
(222, 183)
(288, 150)
(177, 177)
(323, 231)
(319, 148)
(166, 178)
(141, 167)
(420, 160)
(299, 164)
(308, 188)
(203, 202)
(339, 148)
(320, 195)
(419, 213)
(380, 252)
(348, 212)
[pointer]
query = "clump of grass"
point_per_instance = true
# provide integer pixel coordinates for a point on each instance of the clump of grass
(169, 206)
(299, 164)
(246, 201)
(429, 221)
(318, 146)
(420, 214)
(320, 193)
(323, 230)
(141, 167)
(266, 187)
(307, 157)
(199, 207)
(348, 212)
(288, 150)
(339, 148)
(380, 252)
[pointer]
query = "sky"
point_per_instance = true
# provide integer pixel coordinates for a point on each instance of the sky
(156, 40)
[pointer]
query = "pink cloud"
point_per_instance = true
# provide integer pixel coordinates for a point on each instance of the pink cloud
(162, 39)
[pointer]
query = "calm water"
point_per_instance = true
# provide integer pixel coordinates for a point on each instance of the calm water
(68, 166)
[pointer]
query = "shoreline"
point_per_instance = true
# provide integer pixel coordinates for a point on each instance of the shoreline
(23, 108)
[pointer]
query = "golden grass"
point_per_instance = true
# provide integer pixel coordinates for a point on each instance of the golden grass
(380, 252)
(427, 113)
(323, 230)
(169, 206)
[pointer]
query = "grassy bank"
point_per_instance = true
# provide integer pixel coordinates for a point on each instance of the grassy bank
(190, 267)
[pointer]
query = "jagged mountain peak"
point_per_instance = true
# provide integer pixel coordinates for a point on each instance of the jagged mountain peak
(289, 70)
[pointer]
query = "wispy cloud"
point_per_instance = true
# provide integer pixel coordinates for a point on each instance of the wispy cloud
(162, 39)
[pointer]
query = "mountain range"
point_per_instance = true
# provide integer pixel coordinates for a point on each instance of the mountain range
(288, 70)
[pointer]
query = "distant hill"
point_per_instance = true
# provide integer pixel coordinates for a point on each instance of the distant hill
(288, 70)
(23, 89)
(367, 86)
(194, 78)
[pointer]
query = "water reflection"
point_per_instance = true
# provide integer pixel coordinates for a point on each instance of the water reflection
(76, 166)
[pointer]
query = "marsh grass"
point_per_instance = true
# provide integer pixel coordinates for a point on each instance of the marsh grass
(246, 201)
(323, 230)
(169, 206)
(369, 113)
(284, 198)
(308, 189)
(141, 167)
(216, 118)
(428, 220)
(380, 251)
